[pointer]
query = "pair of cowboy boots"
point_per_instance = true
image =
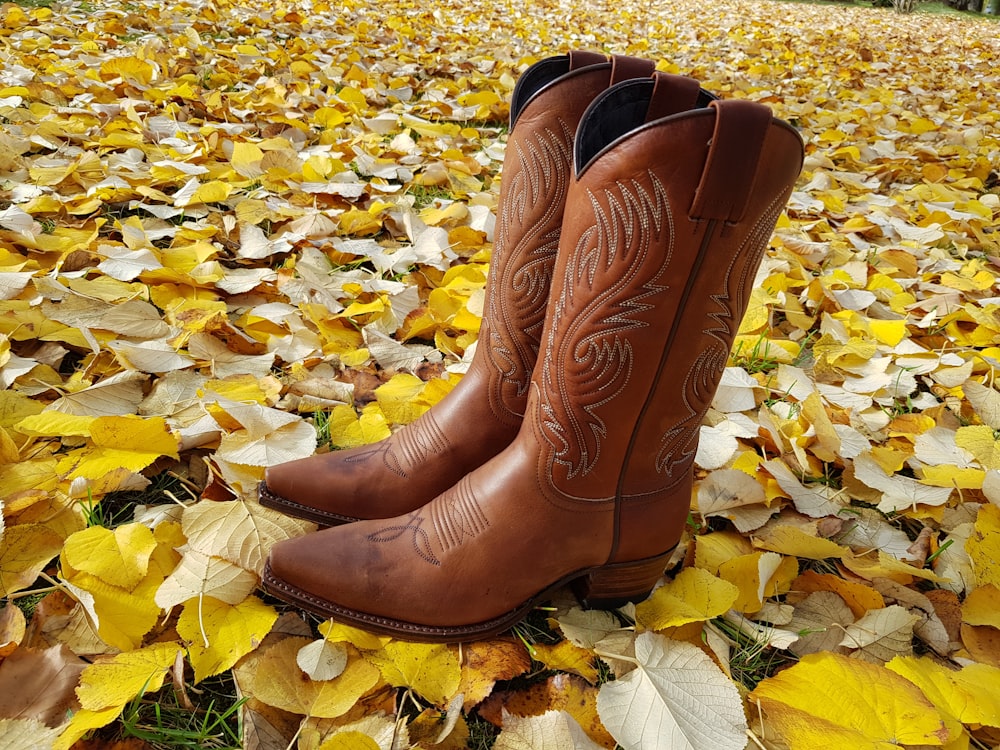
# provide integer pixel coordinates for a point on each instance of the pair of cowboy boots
(633, 214)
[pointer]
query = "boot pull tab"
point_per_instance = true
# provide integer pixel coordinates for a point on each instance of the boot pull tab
(624, 67)
(733, 157)
(580, 58)
(671, 94)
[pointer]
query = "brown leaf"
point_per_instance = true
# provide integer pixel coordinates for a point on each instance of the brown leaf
(485, 662)
(983, 643)
(819, 619)
(40, 684)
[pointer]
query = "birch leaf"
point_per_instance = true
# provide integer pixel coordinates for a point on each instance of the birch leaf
(322, 660)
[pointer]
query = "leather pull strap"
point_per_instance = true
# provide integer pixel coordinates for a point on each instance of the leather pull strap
(624, 67)
(671, 94)
(733, 158)
(580, 58)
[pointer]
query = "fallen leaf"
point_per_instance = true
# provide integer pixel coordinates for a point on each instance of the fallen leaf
(675, 698)
(832, 701)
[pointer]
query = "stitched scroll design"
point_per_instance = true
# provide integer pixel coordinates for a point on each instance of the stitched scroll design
(722, 319)
(536, 175)
(407, 449)
(419, 538)
(610, 277)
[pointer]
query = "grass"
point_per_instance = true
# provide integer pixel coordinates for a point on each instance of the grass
(751, 661)
(213, 724)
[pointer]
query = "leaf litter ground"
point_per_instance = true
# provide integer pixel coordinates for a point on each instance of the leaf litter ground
(230, 233)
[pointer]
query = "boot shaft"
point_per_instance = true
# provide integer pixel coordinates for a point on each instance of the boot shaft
(666, 221)
(546, 107)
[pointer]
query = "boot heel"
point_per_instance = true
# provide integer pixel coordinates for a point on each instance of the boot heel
(614, 585)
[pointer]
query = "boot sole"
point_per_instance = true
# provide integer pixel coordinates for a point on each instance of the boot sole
(291, 508)
(601, 587)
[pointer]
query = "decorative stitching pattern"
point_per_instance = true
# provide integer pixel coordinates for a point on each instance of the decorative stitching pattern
(419, 539)
(587, 354)
(408, 448)
(679, 442)
(457, 515)
(521, 274)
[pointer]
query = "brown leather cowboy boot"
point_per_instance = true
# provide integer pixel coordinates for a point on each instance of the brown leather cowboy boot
(481, 415)
(666, 222)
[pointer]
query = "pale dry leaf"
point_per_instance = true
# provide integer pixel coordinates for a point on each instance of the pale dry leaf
(133, 318)
(819, 620)
(18, 734)
(585, 628)
(985, 400)
(198, 574)
(881, 634)
(899, 493)
(117, 395)
(675, 699)
(322, 659)
(815, 502)
(241, 532)
(553, 730)
(734, 495)
(929, 628)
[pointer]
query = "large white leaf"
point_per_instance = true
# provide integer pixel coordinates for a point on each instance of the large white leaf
(676, 699)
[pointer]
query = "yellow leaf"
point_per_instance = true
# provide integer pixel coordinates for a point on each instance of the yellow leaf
(24, 552)
(983, 546)
(246, 158)
(279, 682)
(215, 191)
(397, 398)
(336, 632)
(348, 430)
(118, 680)
(712, 550)
(946, 475)
(84, 721)
(122, 617)
(130, 68)
(126, 442)
(349, 741)
(838, 703)
(970, 695)
(790, 540)
(220, 634)
(55, 424)
(119, 557)
(565, 656)
(431, 670)
(982, 606)
(757, 576)
(887, 566)
(981, 443)
(694, 595)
